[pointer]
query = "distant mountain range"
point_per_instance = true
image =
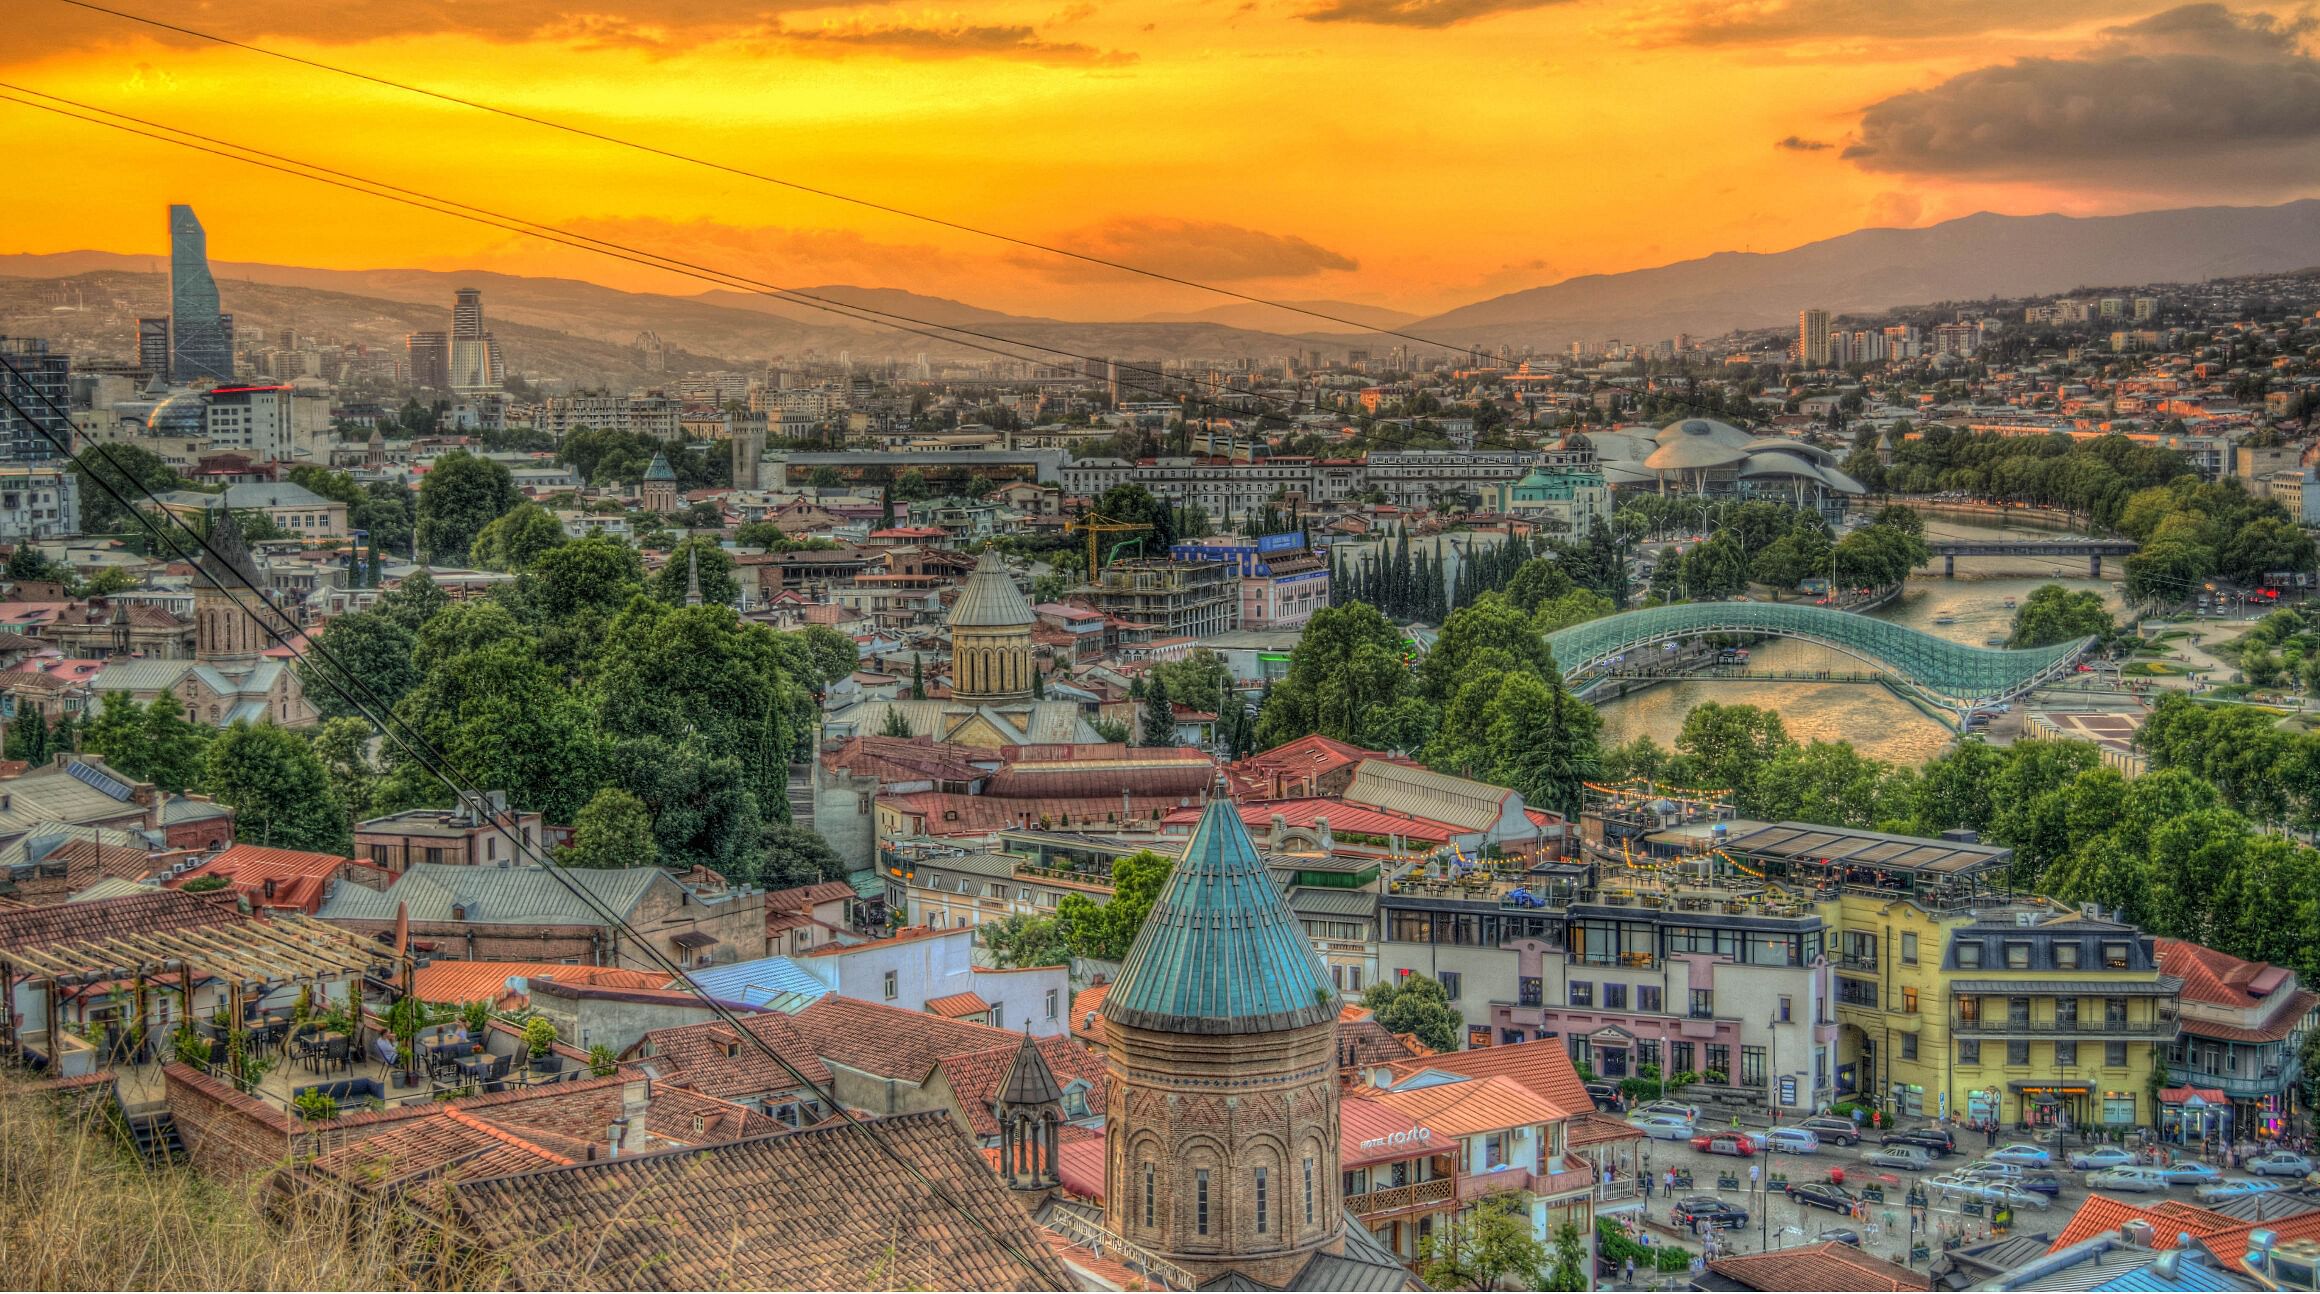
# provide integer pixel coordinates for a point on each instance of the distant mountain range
(572, 329)
(1876, 269)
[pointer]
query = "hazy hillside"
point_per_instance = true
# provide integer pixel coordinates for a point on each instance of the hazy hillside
(1870, 269)
(1243, 314)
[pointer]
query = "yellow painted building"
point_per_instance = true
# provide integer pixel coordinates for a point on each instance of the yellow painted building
(1893, 1037)
(2056, 1019)
(2026, 1013)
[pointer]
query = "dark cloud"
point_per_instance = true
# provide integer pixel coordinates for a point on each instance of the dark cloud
(2197, 92)
(1192, 249)
(1418, 13)
(1799, 144)
(1722, 22)
(957, 41)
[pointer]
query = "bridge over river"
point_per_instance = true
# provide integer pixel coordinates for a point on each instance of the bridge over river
(2093, 550)
(1951, 676)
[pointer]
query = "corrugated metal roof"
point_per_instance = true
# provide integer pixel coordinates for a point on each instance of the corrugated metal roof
(1424, 793)
(757, 983)
(495, 895)
(1221, 952)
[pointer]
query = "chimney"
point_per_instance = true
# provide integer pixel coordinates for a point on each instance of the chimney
(635, 1099)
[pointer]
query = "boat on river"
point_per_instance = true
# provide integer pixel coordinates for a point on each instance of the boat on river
(1945, 620)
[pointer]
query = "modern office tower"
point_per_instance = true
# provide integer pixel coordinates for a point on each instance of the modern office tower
(430, 360)
(1812, 338)
(201, 340)
(475, 361)
(153, 347)
(40, 384)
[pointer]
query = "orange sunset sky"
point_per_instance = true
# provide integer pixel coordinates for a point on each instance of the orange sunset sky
(1410, 153)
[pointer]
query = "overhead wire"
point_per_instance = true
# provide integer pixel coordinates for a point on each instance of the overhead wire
(971, 338)
(741, 172)
(415, 747)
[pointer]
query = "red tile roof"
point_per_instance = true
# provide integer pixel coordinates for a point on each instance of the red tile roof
(2168, 1219)
(485, 981)
(300, 878)
(799, 898)
(157, 913)
(2218, 977)
(889, 1042)
(712, 1059)
(635, 1222)
(976, 1077)
(1542, 1066)
(1086, 1024)
(1465, 1109)
(958, 1006)
(1830, 1265)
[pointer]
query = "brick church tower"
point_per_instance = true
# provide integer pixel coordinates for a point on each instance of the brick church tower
(1221, 1032)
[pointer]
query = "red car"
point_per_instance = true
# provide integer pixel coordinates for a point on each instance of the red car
(1725, 1143)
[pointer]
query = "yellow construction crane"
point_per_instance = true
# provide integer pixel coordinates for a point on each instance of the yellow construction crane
(1094, 525)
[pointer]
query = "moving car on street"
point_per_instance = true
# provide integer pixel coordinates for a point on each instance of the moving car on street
(1828, 1127)
(1823, 1195)
(1738, 1144)
(1909, 1159)
(2023, 1153)
(1695, 1209)
(2233, 1188)
(1933, 1137)
(2127, 1177)
(1792, 1139)
(2279, 1163)
(2100, 1158)
(1662, 1127)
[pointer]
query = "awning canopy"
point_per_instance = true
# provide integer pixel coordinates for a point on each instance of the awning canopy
(166, 931)
(693, 939)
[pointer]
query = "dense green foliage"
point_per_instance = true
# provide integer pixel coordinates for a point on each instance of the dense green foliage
(1416, 1005)
(2092, 478)
(2190, 531)
(2180, 851)
(280, 791)
(460, 496)
(2054, 614)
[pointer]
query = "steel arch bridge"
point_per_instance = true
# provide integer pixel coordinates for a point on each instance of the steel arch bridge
(1948, 674)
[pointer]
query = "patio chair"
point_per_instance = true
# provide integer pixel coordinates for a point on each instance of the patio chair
(338, 1054)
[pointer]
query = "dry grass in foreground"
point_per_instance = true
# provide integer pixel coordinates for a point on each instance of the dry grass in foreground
(79, 1211)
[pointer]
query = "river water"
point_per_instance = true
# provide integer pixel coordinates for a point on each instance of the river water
(1878, 723)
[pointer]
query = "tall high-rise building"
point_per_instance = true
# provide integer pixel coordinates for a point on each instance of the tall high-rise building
(475, 361)
(153, 347)
(430, 360)
(40, 383)
(1812, 338)
(201, 339)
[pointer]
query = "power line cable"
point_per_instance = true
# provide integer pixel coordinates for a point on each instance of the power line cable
(419, 750)
(249, 155)
(872, 204)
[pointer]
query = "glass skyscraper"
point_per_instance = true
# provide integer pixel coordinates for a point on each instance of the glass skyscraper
(201, 344)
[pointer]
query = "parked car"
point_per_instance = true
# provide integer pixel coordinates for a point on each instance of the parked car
(2039, 1181)
(2127, 1177)
(2100, 1158)
(2279, 1163)
(1662, 1127)
(1911, 1159)
(1934, 1138)
(1695, 1209)
(1725, 1143)
(1842, 1235)
(1606, 1095)
(1688, 1113)
(2190, 1172)
(2022, 1152)
(1823, 1195)
(1792, 1140)
(2233, 1188)
(1828, 1127)
(1994, 1192)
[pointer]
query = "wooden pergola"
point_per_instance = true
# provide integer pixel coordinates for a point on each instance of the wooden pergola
(145, 937)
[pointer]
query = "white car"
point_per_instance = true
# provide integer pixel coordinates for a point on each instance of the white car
(1688, 1113)
(2127, 1178)
(2102, 1157)
(1993, 1191)
(2190, 1172)
(1792, 1141)
(2232, 1188)
(2278, 1163)
(1913, 1159)
(1662, 1127)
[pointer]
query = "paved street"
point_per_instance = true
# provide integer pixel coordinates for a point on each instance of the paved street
(1775, 1222)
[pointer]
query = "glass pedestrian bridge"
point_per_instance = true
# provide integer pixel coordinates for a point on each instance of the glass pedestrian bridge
(1948, 674)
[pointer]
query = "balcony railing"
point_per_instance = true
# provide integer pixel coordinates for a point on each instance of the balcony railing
(1627, 961)
(1857, 961)
(2165, 1026)
(2245, 1087)
(1625, 1188)
(1473, 1186)
(1395, 1199)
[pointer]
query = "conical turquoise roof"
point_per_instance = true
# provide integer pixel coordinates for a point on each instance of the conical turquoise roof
(1221, 952)
(659, 470)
